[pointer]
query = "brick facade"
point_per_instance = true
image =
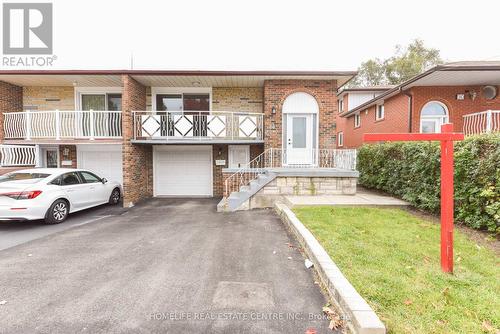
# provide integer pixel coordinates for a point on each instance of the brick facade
(456, 108)
(395, 120)
(249, 99)
(397, 111)
(137, 159)
(49, 98)
(275, 93)
(11, 99)
(71, 156)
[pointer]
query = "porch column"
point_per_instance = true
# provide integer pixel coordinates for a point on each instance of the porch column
(137, 159)
(11, 100)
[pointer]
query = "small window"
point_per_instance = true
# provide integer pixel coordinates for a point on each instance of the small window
(357, 120)
(340, 139)
(380, 112)
(239, 156)
(90, 177)
(341, 105)
(69, 179)
(432, 116)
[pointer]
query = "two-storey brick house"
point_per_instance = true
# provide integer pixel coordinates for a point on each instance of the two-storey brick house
(175, 133)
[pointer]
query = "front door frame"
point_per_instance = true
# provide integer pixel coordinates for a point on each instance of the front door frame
(289, 156)
(43, 151)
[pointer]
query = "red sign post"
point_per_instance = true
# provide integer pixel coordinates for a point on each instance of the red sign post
(446, 137)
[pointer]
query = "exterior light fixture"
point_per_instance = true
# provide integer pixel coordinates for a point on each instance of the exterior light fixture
(273, 110)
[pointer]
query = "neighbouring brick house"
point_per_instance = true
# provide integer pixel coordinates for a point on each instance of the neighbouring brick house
(181, 133)
(464, 93)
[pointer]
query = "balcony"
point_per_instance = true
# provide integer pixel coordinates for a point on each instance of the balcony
(60, 125)
(197, 126)
(482, 122)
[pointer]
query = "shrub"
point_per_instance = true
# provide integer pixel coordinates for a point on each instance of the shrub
(411, 171)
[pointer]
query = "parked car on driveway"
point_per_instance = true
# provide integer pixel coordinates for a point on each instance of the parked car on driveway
(53, 193)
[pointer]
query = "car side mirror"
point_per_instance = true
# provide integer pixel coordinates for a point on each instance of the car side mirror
(103, 180)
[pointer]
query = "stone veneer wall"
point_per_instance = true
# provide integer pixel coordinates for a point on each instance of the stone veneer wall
(303, 186)
(48, 98)
(243, 99)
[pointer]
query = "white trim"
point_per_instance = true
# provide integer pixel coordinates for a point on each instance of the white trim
(180, 90)
(94, 90)
(230, 155)
(436, 118)
(357, 120)
(377, 118)
(163, 147)
(340, 139)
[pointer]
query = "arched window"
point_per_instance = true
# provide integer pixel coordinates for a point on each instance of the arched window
(433, 115)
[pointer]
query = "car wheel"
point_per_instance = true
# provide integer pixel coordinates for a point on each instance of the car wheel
(58, 212)
(115, 196)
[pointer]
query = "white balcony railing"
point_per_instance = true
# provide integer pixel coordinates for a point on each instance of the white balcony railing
(482, 122)
(18, 155)
(198, 125)
(58, 124)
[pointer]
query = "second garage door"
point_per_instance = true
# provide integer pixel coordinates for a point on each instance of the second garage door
(104, 160)
(183, 171)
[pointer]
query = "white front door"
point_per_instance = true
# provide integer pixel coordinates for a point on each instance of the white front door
(299, 140)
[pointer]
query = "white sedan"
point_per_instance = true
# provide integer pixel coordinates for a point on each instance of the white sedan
(53, 193)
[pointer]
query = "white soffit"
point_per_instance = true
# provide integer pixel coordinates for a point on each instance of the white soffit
(62, 80)
(459, 78)
(223, 80)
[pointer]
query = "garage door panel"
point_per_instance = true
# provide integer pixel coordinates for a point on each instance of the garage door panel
(183, 171)
(103, 160)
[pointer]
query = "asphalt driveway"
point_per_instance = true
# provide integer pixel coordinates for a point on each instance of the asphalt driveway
(166, 266)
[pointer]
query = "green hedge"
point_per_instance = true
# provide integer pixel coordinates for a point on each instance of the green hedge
(411, 171)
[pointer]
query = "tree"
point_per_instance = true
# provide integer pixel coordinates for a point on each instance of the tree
(405, 64)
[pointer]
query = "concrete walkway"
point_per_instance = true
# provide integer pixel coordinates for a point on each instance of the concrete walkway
(362, 198)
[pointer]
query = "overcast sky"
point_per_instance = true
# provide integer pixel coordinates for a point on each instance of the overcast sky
(263, 35)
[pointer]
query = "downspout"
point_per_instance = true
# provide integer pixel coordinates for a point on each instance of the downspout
(410, 109)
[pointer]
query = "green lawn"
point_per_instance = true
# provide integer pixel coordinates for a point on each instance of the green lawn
(392, 259)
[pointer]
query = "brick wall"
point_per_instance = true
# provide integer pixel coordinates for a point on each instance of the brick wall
(11, 99)
(396, 120)
(72, 155)
(137, 159)
(237, 99)
(275, 93)
(456, 108)
(49, 98)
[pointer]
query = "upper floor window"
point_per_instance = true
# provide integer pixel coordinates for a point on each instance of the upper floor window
(340, 139)
(433, 115)
(180, 102)
(101, 102)
(380, 112)
(341, 105)
(357, 120)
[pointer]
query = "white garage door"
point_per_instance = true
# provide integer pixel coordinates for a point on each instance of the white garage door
(183, 170)
(104, 160)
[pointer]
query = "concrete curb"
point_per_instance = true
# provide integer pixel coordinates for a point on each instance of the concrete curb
(359, 315)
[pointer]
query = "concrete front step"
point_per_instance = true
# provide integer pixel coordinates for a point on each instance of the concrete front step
(237, 200)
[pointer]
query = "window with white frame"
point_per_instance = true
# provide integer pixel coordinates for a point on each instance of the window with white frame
(357, 120)
(341, 105)
(433, 115)
(239, 156)
(380, 114)
(340, 139)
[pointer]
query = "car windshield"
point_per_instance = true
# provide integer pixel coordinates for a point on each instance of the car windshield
(18, 176)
